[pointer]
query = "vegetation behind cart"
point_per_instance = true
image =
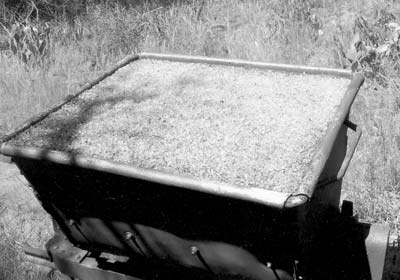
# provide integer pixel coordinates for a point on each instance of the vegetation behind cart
(51, 48)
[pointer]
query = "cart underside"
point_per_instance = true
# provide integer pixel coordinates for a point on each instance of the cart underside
(113, 227)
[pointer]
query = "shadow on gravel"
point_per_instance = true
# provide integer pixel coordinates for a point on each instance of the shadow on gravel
(60, 131)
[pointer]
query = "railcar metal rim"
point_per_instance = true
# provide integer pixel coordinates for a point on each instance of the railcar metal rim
(266, 197)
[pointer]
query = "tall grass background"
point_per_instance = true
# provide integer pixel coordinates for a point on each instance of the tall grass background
(64, 44)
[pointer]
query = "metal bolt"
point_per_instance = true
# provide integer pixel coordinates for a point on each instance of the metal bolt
(129, 235)
(131, 238)
(194, 250)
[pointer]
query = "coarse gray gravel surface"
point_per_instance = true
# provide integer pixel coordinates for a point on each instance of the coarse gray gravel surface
(229, 124)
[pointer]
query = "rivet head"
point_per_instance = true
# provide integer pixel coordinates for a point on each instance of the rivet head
(128, 235)
(194, 250)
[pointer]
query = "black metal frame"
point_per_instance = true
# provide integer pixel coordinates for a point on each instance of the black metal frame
(362, 247)
(298, 222)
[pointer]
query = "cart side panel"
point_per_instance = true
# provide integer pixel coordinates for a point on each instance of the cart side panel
(96, 209)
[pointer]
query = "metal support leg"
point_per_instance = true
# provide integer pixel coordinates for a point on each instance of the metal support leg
(376, 244)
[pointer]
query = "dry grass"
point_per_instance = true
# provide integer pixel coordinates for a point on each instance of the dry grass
(297, 32)
(28, 89)
(373, 179)
(22, 221)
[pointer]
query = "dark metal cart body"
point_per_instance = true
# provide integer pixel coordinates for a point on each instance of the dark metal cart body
(116, 221)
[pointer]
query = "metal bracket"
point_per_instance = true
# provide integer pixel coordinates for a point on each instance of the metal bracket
(349, 155)
(351, 149)
(77, 263)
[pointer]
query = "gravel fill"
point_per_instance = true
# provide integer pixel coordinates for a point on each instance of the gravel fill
(229, 124)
